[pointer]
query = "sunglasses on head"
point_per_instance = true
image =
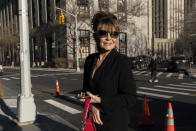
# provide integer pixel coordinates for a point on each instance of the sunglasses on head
(103, 33)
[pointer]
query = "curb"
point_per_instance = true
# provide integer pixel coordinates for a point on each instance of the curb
(46, 69)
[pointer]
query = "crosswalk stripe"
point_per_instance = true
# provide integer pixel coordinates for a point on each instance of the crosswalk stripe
(63, 107)
(188, 84)
(34, 76)
(147, 74)
(159, 74)
(140, 72)
(7, 79)
(135, 72)
(152, 94)
(15, 78)
(181, 85)
(180, 76)
(169, 87)
(172, 92)
(169, 75)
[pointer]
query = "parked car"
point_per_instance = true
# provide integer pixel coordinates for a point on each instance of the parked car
(140, 62)
(143, 61)
(133, 62)
(1, 69)
(178, 63)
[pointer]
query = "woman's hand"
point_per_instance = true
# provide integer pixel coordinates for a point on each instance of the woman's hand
(94, 98)
(96, 115)
(82, 94)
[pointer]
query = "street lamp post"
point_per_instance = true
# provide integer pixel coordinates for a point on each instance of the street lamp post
(26, 109)
(76, 37)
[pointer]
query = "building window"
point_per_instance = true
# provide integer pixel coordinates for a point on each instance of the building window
(121, 7)
(83, 6)
(123, 43)
(48, 11)
(40, 13)
(103, 5)
(84, 38)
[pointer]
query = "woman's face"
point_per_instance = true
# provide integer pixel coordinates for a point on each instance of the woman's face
(107, 38)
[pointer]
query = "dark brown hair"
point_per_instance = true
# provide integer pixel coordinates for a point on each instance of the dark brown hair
(105, 18)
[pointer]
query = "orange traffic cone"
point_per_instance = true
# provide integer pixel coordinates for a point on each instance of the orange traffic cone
(146, 119)
(31, 85)
(170, 119)
(57, 89)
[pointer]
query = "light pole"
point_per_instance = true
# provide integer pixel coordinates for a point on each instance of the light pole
(26, 109)
(76, 37)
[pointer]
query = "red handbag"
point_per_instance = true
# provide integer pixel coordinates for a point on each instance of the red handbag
(87, 123)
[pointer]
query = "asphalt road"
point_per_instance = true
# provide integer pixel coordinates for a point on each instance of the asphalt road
(174, 87)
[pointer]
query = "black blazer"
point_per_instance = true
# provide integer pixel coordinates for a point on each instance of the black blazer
(113, 82)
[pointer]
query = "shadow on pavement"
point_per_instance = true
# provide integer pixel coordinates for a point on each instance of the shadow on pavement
(42, 123)
(6, 109)
(46, 124)
(7, 125)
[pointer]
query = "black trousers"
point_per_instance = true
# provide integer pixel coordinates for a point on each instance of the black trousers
(98, 127)
(153, 75)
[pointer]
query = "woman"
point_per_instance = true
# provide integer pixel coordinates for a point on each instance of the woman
(108, 78)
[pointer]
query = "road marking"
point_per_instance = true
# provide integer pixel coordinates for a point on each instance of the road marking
(135, 72)
(159, 74)
(63, 107)
(152, 94)
(147, 74)
(188, 84)
(34, 76)
(15, 78)
(172, 92)
(169, 87)
(169, 75)
(180, 76)
(7, 79)
(140, 73)
(64, 121)
(181, 85)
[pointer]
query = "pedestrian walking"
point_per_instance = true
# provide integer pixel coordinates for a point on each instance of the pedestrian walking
(108, 78)
(153, 69)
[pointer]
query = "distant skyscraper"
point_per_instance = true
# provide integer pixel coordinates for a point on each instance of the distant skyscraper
(166, 25)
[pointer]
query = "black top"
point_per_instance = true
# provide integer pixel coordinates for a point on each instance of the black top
(153, 64)
(113, 82)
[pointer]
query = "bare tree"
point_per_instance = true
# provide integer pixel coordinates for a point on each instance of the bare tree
(127, 11)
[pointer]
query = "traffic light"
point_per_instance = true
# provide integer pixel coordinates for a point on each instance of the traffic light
(81, 51)
(62, 19)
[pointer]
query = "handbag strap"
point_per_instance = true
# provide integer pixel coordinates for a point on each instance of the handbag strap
(87, 107)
